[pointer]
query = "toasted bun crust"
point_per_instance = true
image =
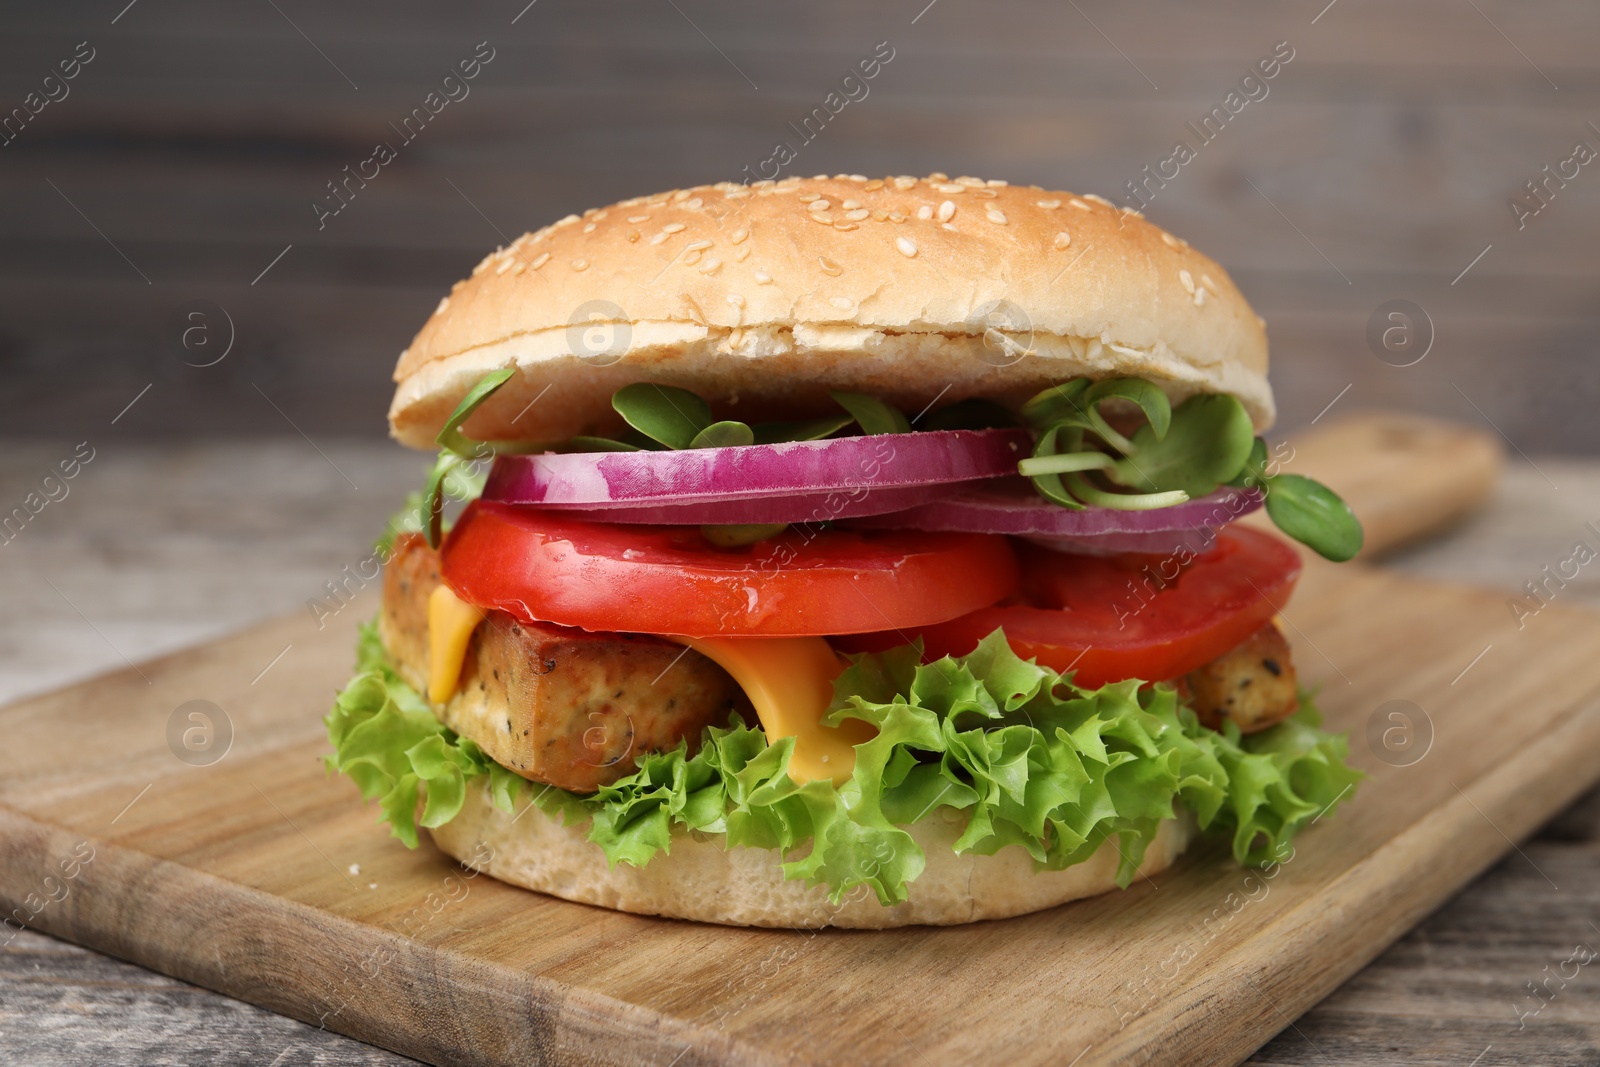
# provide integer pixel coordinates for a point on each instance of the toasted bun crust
(761, 298)
(700, 880)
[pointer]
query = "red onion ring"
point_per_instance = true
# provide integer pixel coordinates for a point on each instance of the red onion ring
(1012, 507)
(874, 465)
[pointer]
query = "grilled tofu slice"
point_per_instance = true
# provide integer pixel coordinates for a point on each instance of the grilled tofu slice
(558, 705)
(1254, 685)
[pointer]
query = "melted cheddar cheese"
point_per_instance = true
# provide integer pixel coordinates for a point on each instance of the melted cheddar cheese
(451, 621)
(789, 681)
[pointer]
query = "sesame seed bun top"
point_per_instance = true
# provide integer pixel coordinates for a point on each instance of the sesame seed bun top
(762, 297)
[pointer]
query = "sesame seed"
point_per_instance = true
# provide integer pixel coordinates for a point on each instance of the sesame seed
(1199, 297)
(739, 236)
(947, 210)
(638, 218)
(850, 205)
(825, 217)
(1049, 205)
(947, 226)
(880, 216)
(695, 203)
(1188, 281)
(763, 278)
(1075, 202)
(995, 215)
(925, 211)
(949, 188)
(818, 205)
(997, 183)
(680, 195)
(1131, 212)
(905, 246)
(444, 302)
(1205, 280)
(692, 257)
(711, 266)
(568, 221)
(873, 186)
(841, 302)
(985, 194)
(588, 227)
(938, 176)
(735, 193)
(742, 254)
(858, 177)
(902, 183)
(673, 227)
(695, 246)
(540, 260)
(1097, 198)
(857, 214)
(845, 227)
(658, 238)
(1169, 239)
(580, 264)
(970, 183)
(806, 198)
(1063, 239)
(505, 265)
(829, 267)
(519, 268)
(897, 216)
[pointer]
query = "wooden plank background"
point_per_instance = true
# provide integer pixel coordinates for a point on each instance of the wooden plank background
(1378, 167)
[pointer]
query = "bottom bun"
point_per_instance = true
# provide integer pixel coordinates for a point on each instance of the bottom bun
(701, 880)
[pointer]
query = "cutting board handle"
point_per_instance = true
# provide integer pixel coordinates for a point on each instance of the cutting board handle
(1406, 476)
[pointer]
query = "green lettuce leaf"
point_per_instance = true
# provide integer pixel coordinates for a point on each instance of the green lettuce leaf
(1026, 757)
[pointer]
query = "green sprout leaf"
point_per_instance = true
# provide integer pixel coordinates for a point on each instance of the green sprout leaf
(872, 414)
(599, 444)
(457, 451)
(1087, 491)
(1207, 444)
(662, 413)
(1151, 400)
(451, 439)
(1064, 463)
(1314, 515)
(771, 433)
(723, 435)
(1050, 445)
(741, 534)
(1253, 474)
(1054, 405)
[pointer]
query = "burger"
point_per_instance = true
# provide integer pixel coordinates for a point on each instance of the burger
(842, 551)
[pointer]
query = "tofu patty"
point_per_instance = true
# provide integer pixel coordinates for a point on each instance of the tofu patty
(1254, 685)
(554, 704)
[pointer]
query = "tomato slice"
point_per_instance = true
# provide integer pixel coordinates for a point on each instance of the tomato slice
(1107, 618)
(545, 567)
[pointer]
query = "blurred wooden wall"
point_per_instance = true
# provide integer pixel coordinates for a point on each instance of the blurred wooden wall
(1379, 165)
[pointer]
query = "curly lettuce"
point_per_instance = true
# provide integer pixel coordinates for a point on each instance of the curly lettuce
(1028, 758)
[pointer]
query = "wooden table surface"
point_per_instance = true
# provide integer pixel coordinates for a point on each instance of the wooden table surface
(156, 547)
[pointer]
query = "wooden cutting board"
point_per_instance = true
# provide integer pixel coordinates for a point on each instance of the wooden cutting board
(260, 876)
